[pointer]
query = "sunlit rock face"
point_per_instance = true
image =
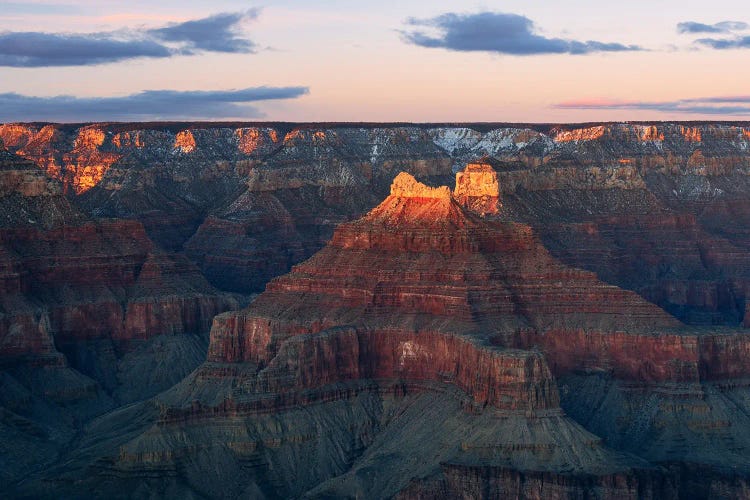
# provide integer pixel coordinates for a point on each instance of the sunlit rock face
(567, 319)
(79, 167)
(477, 188)
(190, 183)
(437, 348)
(86, 165)
(406, 186)
(581, 134)
(128, 140)
(691, 134)
(649, 133)
(184, 142)
(79, 297)
(256, 139)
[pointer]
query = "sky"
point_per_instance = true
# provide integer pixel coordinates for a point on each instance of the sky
(358, 60)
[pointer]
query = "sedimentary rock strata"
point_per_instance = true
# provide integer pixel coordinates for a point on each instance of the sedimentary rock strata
(610, 198)
(422, 303)
(78, 296)
(567, 320)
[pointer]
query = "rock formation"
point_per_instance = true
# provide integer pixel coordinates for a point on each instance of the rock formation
(477, 188)
(567, 321)
(409, 338)
(77, 297)
(610, 198)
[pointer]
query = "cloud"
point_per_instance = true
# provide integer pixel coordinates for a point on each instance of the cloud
(218, 33)
(498, 32)
(146, 105)
(722, 27)
(737, 41)
(32, 49)
(215, 34)
(723, 44)
(720, 105)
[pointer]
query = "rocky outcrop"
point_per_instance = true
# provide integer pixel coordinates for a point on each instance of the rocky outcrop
(570, 183)
(516, 335)
(420, 302)
(69, 281)
(477, 188)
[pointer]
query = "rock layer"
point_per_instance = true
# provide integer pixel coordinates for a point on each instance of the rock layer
(420, 300)
(425, 351)
(77, 296)
(603, 197)
(477, 188)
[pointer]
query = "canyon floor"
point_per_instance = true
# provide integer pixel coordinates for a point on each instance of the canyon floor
(375, 311)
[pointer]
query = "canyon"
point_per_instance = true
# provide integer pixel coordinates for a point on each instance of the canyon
(405, 311)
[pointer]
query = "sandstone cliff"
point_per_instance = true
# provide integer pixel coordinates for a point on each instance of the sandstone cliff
(610, 198)
(491, 339)
(403, 353)
(79, 296)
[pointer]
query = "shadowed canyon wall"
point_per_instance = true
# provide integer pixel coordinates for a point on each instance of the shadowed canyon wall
(566, 321)
(660, 209)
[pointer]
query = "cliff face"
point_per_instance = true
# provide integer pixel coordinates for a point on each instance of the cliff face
(84, 304)
(422, 303)
(477, 188)
(246, 203)
(524, 333)
(645, 207)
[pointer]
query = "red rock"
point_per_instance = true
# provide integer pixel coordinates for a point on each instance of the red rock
(514, 380)
(658, 357)
(422, 295)
(421, 270)
(477, 188)
(476, 481)
(75, 279)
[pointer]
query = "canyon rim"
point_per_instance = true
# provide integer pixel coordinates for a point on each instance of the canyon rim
(398, 250)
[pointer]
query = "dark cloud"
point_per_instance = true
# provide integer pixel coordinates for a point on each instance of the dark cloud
(218, 33)
(722, 27)
(721, 105)
(500, 33)
(215, 34)
(31, 49)
(147, 105)
(723, 44)
(737, 41)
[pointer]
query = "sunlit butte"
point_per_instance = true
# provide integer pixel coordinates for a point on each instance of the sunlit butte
(406, 249)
